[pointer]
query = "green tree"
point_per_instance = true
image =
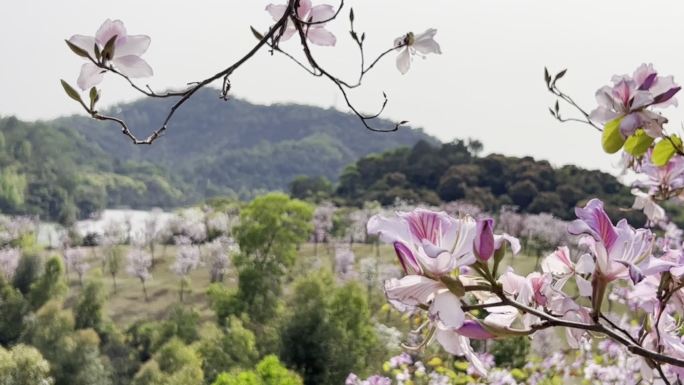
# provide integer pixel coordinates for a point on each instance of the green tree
(224, 350)
(310, 188)
(329, 333)
(13, 309)
(268, 371)
(90, 305)
(52, 284)
(74, 355)
(174, 364)
(270, 229)
(24, 365)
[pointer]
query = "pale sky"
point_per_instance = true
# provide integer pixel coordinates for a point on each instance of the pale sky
(487, 84)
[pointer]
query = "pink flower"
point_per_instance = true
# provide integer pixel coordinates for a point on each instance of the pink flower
(630, 97)
(421, 44)
(316, 33)
(444, 307)
(561, 268)
(459, 345)
(662, 181)
(126, 57)
(427, 242)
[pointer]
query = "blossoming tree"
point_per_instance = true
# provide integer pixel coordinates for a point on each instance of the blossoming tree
(455, 274)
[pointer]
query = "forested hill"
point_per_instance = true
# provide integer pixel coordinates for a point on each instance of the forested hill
(452, 171)
(220, 148)
(70, 167)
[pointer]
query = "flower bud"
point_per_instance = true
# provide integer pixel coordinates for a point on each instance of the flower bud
(483, 245)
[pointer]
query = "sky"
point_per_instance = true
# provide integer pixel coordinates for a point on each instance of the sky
(487, 84)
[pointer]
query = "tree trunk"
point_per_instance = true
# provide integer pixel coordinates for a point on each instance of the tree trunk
(114, 280)
(144, 290)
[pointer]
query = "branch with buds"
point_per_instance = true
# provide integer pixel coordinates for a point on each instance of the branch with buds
(112, 50)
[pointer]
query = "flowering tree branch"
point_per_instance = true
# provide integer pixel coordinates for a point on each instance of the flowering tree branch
(112, 50)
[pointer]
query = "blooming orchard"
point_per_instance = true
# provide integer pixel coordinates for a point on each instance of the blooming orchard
(455, 271)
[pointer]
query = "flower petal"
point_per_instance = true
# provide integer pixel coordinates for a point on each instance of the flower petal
(321, 13)
(276, 10)
(412, 290)
(594, 221)
(109, 29)
(404, 61)
(132, 45)
(321, 36)
(133, 66)
(86, 43)
(90, 75)
(425, 42)
(446, 309)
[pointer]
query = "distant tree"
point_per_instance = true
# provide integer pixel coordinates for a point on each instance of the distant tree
(270, 229)
(187, 260)
(74, 355)
(76, 262)
(269, 371)
(218, 256)
(24, 365)
(50, 285)
(13, 309)
(329, 333)
(174, 364)
(114, 261)
(139, 263)
(28, 270)
(224, 350)
(90, 305)
(310, 188)
(523, 193)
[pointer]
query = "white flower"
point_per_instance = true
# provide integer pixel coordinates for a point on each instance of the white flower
(421, 44)
(126, 56)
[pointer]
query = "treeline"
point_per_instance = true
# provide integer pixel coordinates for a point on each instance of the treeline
(50, 171)
(450, 172)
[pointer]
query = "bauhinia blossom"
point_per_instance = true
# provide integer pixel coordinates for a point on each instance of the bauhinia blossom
(664, 181)
(316, 16)
(125, 57)
(411, 45)
(630, 98)
(615, 248)
(561, 268)
(430, 246)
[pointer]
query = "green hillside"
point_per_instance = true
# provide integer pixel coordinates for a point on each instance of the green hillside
(221, 148)
(68, 168)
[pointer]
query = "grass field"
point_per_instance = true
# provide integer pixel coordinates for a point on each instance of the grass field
(128, 305)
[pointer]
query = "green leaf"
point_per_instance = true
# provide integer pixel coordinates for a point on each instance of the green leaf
(665, 150)
(76, 49)
(612, 140)
(454, 285)
(256, 33)
(639, 143)
(71, 92)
